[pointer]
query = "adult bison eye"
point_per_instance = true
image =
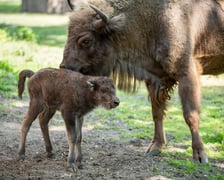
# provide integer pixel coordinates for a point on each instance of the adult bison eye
(86, 43)
(85, 40)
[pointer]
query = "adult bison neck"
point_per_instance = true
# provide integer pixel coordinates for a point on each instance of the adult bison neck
(124, 47)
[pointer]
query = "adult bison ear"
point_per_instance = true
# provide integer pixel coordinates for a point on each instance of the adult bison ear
(106, 24)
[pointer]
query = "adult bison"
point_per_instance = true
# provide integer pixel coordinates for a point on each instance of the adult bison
(160, 42)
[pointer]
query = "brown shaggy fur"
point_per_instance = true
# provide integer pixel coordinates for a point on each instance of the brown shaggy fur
(160, 42)
(69, 92)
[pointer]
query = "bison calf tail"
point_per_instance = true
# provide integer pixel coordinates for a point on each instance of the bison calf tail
(22, 78)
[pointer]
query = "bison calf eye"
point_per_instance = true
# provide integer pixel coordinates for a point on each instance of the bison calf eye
(84, 70)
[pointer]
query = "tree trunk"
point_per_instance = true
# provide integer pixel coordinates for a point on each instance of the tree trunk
(45, 6)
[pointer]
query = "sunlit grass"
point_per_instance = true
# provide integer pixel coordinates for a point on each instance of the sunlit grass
(46, 50)
(10, 13)
(49, 29)
(9, 6)
(33, 20)
(24, 54)
(50, 34)
(193, 169)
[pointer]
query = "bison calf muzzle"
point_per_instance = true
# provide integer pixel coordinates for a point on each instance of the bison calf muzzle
(73, 94)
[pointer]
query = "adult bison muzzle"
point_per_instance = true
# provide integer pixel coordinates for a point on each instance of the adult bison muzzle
(160, 42)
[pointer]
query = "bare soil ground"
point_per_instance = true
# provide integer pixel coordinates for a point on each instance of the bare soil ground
(105, 154)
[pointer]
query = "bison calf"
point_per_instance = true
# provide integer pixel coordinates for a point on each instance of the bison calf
(73, 94)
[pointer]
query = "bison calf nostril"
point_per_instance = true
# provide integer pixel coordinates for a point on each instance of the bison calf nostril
(84, 70)
(62, 66)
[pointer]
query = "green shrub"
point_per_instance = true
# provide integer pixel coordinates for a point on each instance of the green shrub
(4, 66)
(4, 36)
(24, 33)
(8, 80)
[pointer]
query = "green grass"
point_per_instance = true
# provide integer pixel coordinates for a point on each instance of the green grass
(8, 80)
(9, 6)
(132, 119)
(207, 171)
(29, 41)
(49, 34)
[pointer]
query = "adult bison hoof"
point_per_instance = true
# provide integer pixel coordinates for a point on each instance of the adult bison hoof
(154, 149)
(154, 152)
(200, 156)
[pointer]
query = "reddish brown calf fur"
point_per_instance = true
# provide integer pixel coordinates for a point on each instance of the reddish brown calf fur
(69, 92)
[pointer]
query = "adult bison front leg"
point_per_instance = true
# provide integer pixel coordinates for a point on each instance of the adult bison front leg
(158, 100)
(189, 90)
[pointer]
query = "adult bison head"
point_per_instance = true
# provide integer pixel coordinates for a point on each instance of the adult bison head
(89, 42)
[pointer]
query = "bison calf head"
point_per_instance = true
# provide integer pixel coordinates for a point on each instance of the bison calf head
(104, 93)
(89, 42)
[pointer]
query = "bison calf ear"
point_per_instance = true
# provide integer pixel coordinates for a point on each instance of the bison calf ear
(91, 85)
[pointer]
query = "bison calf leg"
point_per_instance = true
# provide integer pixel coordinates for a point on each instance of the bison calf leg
(71, 127)
(30, 116)
(44, 119)
(159, 140)
(189, 90)
(78, 150)
(71, 144)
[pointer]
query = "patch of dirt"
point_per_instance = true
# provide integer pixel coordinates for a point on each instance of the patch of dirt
(105, 154)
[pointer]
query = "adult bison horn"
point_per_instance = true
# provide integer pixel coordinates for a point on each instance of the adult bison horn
(71, 5)
(104, 18)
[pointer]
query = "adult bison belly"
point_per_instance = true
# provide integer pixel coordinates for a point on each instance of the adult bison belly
(212, 65)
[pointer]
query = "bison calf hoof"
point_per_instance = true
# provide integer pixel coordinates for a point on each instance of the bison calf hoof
(50, 155)
(79, 165)
(20, 157)
(74, 166)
